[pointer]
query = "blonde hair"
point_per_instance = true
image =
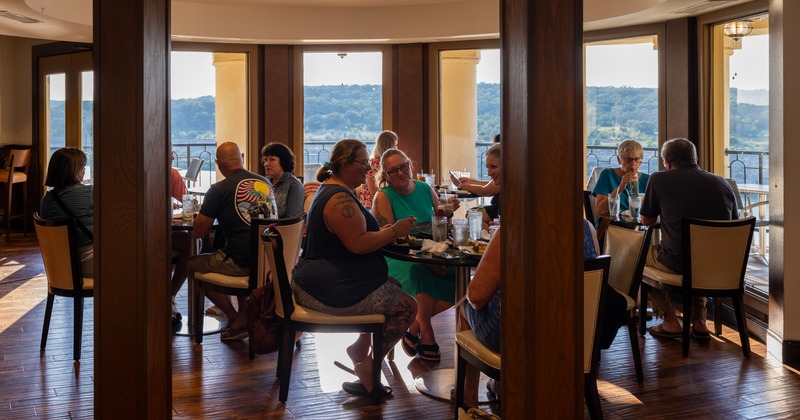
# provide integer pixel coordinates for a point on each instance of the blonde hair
(386, 140)
(629, 146)
(343, 152)
(380, 177)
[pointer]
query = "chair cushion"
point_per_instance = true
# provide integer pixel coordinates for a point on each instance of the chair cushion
(88, 283)
(15, 178)
(302, 314)
(629, 302)
(663, 277)
(467, 341)
(242, 282)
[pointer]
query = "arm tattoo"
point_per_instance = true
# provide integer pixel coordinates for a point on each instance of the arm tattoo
(348, 211)
(382, 220)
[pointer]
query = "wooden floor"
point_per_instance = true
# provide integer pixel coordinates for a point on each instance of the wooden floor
(217, 380)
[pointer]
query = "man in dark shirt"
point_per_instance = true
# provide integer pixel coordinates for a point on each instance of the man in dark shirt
(232, 201)
(683, 190)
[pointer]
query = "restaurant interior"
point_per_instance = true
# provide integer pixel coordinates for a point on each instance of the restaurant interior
(133, 366)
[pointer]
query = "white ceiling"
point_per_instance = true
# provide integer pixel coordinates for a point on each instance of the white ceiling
(331, 21)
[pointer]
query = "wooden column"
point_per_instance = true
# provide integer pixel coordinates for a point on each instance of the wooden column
(279, 99)
(409, 106)
(132, 215)
(542, 271)
(680, 71)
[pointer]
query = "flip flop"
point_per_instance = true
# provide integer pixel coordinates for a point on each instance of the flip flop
(356, 388)
(214, 311)
(410, 342)
(658, 331)
(429, 352)
(706, 336)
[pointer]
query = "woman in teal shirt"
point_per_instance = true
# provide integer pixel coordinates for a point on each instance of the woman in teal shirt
(619, 181)
(433, 286)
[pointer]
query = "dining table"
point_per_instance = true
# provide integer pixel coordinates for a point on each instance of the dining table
(438, 383)
(762, 191)
(211, 325)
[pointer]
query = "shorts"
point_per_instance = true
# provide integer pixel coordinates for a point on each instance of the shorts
(380, 301)
(485, 323)
(217, 262)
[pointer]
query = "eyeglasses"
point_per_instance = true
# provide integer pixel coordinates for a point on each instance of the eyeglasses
(629, 160)
(397, 170)
(363, 162)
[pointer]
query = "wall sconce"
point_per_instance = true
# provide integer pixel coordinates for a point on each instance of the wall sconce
(738, 29)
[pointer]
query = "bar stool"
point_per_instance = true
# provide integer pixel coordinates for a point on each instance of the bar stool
(15, 171)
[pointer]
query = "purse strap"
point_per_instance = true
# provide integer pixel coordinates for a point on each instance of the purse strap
(71, 215)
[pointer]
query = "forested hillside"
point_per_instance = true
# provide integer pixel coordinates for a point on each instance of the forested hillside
(335, 112)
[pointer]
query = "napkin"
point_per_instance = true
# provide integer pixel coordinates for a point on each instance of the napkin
(485, 235)
(435, 248)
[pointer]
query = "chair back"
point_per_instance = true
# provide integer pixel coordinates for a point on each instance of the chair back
(273, 243)
(736, 193)
(310, 190)
(595, 279)
(193, 171)
(291, 228)
(716, 252)
(592, 181)
(63, 269)
(628, 251)
(589, 207)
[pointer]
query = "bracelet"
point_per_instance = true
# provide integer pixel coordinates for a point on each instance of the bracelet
(394, 231)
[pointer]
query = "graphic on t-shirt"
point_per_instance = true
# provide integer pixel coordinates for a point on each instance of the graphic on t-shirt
(255, 198)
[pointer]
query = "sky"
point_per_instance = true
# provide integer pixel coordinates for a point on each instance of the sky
(634, 65)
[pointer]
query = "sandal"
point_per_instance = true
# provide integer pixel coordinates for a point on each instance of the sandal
(214, 311)
(410, 342)
(429, 352)
(701, 336)
(659, 331)
(356, 388)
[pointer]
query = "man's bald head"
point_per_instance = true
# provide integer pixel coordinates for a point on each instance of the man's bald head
(229, 157)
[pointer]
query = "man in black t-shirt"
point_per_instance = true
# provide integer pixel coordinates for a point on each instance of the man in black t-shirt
(232, 201)
(683, 190)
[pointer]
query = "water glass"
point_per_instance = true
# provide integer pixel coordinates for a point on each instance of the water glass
(453, 186)
(635, 202)
(460, 231)
(188, 207)
(613, 206)
(447, 200)
(475, 218)
(430, 179)
(439, 229)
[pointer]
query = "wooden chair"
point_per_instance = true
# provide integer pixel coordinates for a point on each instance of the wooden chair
(595, 280)
(746, 208)
(628, 251)
(715, 254)
(62, 265)
(470, 350)
(298, 318)
(589, 207)
(15, 172)
(244, 285)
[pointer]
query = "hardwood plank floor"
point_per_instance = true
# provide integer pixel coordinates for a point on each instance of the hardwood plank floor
(217, 380)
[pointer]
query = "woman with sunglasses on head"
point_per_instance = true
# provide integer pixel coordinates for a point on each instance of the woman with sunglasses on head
(619, 181)
(433, 286)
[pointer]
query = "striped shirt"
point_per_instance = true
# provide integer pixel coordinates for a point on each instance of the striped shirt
(79, 199)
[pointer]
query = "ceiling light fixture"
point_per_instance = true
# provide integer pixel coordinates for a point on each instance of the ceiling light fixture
(738, 29)
(18, 17)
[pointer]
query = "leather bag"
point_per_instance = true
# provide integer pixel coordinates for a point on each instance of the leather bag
(263, 323)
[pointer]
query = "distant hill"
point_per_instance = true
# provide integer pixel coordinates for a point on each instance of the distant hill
(335, 112)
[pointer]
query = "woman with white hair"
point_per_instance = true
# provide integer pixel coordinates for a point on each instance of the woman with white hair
(618, 181)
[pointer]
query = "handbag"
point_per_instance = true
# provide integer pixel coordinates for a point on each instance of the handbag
(263, 323)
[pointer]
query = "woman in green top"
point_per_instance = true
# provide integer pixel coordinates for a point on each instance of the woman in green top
(433, 286)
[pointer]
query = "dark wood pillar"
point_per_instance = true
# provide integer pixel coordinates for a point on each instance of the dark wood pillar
(132, 215)
(410, 108)
(542, 271)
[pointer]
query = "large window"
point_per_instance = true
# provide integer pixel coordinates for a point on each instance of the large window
(621, 99)
(210, 103)
(740, 125)
(469, 109)
(342, 98)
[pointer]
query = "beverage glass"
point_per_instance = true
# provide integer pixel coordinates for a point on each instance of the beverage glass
(439, 229)
(430, 179)
(613, 206)
(453, 186)
(635, 202)
(421, 176)
(188, 206)
(475, 218)
(460, 231)
(447, 200)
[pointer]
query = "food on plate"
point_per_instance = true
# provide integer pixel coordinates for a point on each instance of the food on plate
(406, 240)
(477, 246)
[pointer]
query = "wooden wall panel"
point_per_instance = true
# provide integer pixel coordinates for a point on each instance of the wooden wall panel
(410, 111)
(681, 100)
(132, 213)
(542, 126)
(278, 96)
